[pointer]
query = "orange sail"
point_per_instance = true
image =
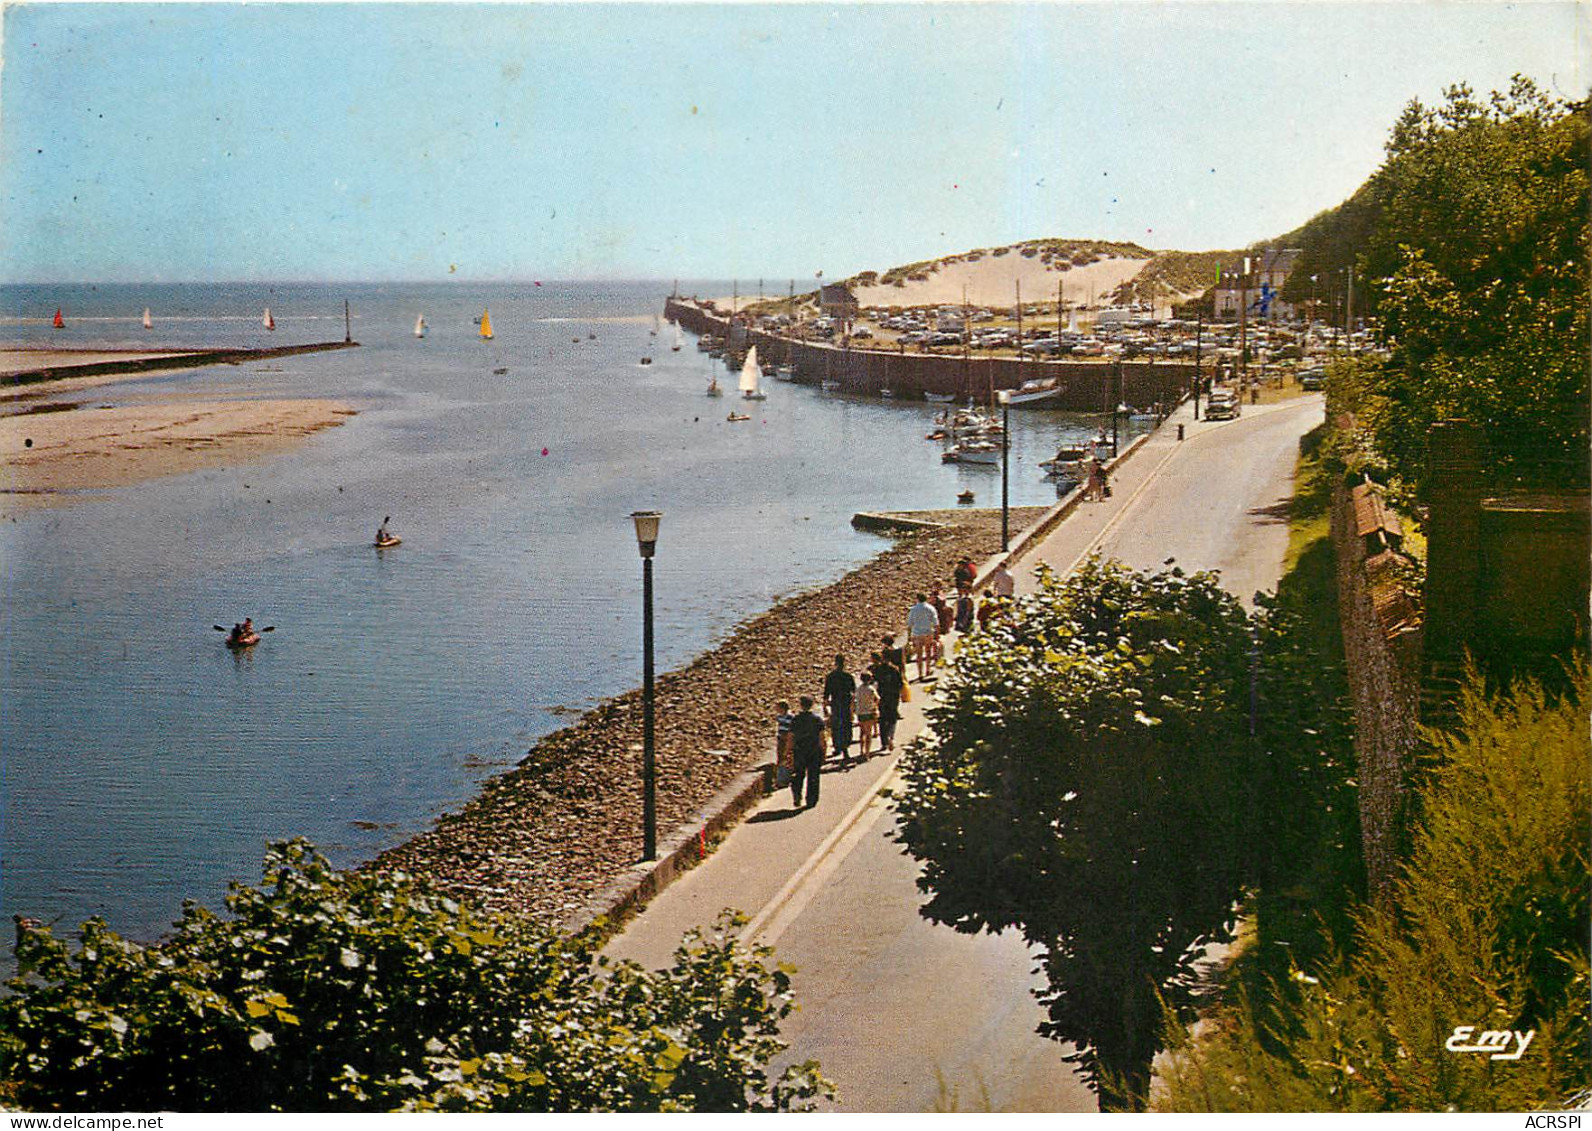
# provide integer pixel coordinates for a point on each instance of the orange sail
(486, 324)
(59, 323)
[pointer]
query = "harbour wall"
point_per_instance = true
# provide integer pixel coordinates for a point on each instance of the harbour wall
(144, 363)
(1084, 386)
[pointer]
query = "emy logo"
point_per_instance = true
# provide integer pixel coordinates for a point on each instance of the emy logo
(1493, 1042)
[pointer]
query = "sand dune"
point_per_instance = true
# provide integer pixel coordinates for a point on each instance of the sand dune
(992, 281)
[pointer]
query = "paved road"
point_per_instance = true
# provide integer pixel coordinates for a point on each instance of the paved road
(905, 1015)
(1218, 500)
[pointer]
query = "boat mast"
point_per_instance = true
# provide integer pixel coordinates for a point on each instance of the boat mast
(1019, 284)
(348, 331)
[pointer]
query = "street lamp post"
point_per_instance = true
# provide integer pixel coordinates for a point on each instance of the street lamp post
(1116, 409)
(1006, 448)
(647, 540)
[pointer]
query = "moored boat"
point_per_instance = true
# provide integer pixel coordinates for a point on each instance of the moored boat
(972, 451)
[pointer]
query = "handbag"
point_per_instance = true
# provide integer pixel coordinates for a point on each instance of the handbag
(906, 690)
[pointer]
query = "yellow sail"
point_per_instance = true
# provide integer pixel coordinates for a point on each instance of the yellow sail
(486, 324)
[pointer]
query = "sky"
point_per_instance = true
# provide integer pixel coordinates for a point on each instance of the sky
(195, 142)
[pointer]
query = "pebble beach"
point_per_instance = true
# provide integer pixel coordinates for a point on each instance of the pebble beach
(544, 838)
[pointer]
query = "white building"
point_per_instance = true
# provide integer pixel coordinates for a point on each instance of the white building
(1257, 279)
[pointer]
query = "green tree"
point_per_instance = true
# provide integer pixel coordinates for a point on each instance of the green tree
(1090, 785)
(328, 990)
(1488, 928)
(1471, 246)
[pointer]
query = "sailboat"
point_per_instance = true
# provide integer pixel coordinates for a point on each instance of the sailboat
(713, 386)
(268, 322)
(751, 373)
(149, 323)
(486, 324)
(420, 326)
(60, 323)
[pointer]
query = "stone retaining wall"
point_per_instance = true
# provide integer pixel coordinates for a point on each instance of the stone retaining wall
(1086, 386)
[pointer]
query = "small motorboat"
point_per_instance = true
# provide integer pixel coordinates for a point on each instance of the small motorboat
(973, 451)
(965, 497)
(735, 417)
(500, 371)
(646, 361)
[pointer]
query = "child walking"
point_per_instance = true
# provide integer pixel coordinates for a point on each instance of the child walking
(867, 712)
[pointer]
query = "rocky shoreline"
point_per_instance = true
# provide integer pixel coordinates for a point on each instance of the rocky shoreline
(543, 839)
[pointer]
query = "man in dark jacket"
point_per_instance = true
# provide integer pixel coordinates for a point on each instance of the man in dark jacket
(887, 678)
(839, 688)
(807, 739)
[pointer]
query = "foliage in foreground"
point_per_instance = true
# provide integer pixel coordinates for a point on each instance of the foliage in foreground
(1471, 245)
(1090, 785)
(328, 991)
(1489, 929)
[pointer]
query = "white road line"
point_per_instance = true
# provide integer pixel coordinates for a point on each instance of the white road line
(799, 890)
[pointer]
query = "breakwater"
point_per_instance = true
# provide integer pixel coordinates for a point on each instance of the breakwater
(1083, 386)
(145, 361)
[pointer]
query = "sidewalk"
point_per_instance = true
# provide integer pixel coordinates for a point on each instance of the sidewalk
(771, 863)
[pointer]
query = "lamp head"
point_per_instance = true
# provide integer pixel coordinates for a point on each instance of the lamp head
(1004, 396)
(647, 530)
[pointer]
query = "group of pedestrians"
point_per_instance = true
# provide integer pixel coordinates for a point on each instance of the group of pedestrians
(871, 699)
(872, 702)
(935, 616)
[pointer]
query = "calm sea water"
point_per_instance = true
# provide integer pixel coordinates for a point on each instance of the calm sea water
(142, 763)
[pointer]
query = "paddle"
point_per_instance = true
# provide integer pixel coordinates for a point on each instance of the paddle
(267, 628)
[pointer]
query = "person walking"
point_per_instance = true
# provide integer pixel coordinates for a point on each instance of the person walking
(839, 689)
(888, 680)
(807, 751)
(867, 715)
(964, 612)
(923, 628)
(1002, 581)
(784, 761)
(964, 574)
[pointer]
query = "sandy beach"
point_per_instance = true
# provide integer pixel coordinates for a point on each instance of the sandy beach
(55, 450)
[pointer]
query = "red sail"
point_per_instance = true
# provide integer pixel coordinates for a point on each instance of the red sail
(59, 324)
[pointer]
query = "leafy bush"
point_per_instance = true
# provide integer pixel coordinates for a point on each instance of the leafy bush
(1090, 785)
(346, 991)
(1488, 928)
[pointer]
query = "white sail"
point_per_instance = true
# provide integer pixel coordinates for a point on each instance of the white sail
(750, 372)
(149, 323)
(679, 338)
(420, 326)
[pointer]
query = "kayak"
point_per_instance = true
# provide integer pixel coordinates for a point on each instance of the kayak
(388, 544)
(248, 641)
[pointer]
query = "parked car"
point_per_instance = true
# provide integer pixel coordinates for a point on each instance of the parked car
(1222, 405)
